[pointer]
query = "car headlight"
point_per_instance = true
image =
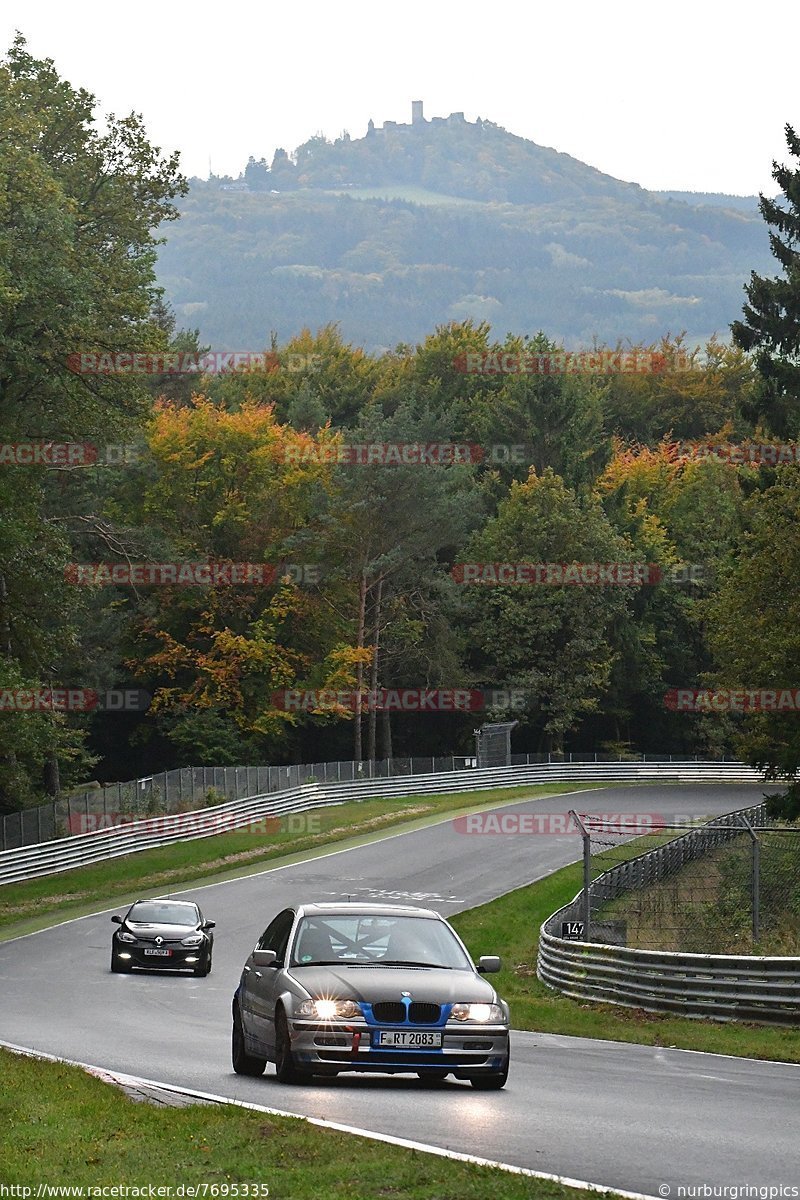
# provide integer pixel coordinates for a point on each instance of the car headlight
(484, 1014)
(194, 939)
(124, 936)
(329, 1010)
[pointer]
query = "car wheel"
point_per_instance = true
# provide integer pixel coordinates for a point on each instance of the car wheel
(243, 1063)
(118, 966)
(286, 1069)
(490, 1083)
(203, 969)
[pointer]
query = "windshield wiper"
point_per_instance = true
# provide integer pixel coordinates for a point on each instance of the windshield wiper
(321, 962)
(404, 962)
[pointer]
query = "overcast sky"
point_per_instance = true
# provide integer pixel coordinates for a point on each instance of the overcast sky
(690, 95)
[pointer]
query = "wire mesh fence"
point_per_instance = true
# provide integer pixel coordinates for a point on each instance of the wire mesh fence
(191, 788)
(194, 787)
(726, 886)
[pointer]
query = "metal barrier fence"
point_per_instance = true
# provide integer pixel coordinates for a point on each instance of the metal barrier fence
(81, 849)
(187, 788)
(190, 787)
(721, 986)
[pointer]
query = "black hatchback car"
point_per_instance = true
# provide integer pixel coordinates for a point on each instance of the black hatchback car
(162, 934)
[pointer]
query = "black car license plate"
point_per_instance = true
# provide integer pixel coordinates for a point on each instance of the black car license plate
(159, 953)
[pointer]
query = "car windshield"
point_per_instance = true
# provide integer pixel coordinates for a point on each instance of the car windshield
(370, 940)
(153, 912)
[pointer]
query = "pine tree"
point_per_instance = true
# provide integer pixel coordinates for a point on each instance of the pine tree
(772, 315)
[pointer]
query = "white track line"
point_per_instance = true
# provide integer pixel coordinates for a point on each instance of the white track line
(405, 1143)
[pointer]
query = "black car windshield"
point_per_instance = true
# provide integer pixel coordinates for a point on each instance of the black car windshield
(362, 939)
(154, 912)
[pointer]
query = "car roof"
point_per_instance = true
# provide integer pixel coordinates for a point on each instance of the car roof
(360, 908)
(165, 900)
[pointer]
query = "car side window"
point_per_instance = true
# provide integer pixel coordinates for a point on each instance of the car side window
(276, 935)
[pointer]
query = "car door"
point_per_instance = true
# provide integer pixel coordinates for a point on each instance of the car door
(259, 983)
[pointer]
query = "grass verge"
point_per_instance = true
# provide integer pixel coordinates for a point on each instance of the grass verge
(64, 1127)
(36, 903)
(510, 926)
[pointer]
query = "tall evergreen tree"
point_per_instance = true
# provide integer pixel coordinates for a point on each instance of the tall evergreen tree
(771, 326)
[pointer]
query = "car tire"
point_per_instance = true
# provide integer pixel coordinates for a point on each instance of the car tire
(243, 1063)
(203, 969)
(286, 1069)
(118, 966)
(490, 1083)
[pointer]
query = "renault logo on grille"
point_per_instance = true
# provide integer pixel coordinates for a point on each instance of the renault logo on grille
(159, 940)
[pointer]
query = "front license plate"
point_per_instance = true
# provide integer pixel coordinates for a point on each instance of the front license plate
(159, 953)
(409, 1038)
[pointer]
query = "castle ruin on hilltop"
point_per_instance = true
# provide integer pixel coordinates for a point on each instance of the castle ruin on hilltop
(417, 119)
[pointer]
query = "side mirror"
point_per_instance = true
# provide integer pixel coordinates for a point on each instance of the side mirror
(116, 919)
(264, 958)
(488, 964)
(210, 925)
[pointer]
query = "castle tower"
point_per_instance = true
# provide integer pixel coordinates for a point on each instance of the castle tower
(416, 112)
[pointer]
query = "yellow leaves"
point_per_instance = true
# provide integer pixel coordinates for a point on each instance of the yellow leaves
(237, 473)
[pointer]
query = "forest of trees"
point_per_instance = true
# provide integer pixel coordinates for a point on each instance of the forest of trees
(254, 465)
(392, 234)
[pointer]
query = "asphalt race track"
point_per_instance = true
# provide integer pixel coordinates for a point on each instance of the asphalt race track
(624, 1116)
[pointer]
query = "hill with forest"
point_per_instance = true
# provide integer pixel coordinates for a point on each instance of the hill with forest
(416, 225)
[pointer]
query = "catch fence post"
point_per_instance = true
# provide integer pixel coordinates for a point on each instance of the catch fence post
(587, 874)
(755, 878)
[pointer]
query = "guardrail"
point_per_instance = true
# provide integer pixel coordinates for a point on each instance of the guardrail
(721, 986)
(188, 787)
(64, 854)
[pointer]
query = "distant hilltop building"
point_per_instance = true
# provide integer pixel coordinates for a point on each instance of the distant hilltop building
(417, 119)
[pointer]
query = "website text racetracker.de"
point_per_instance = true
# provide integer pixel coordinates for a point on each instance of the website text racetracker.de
(189, 574)
(409, 700)
(73, 699)
(553, 574)
(388, 454)
(619, 824)
(569, 362)
(199, 824)
(213, 362)
(127, 1191)
(736, 700)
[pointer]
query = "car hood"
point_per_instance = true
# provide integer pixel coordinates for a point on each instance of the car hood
(170, 933)
(372, 984)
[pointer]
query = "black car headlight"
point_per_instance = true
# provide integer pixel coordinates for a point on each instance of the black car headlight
(482, 1014)
(194, 939)
(329, 1010)
(124, 936)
